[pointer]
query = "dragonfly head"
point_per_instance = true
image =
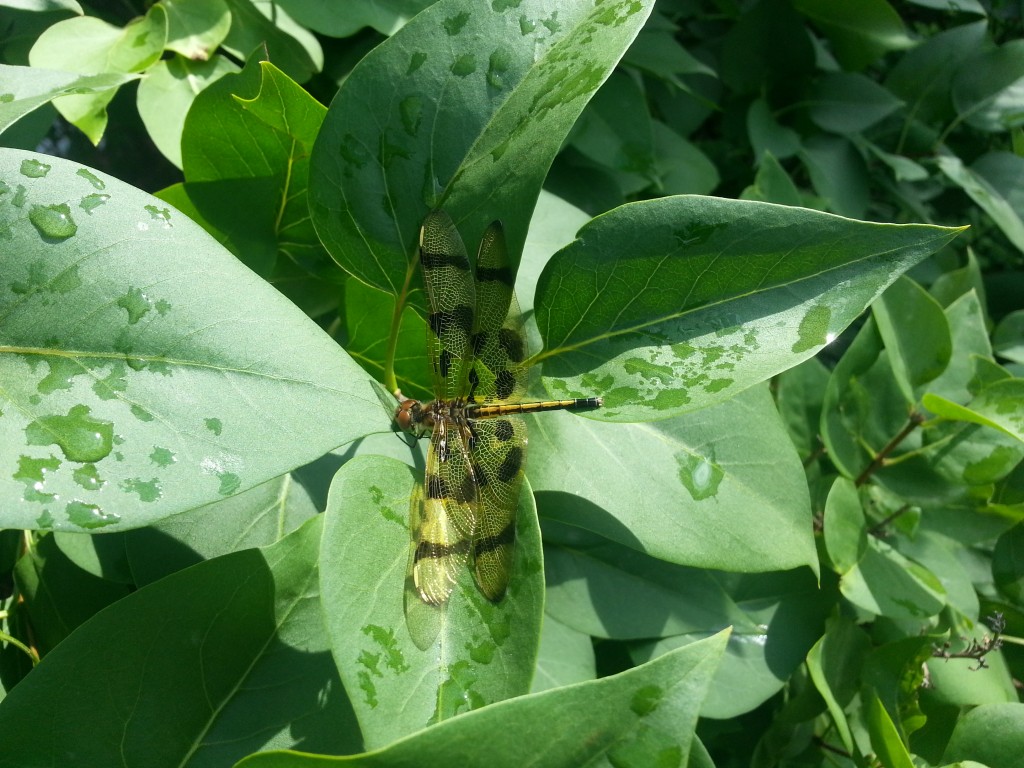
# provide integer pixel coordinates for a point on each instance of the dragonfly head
(411, 417)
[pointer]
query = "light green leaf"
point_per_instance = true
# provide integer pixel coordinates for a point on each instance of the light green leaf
(482, 653)
(191, 657)
(915, 333)
(659, 53)
(767, 135)
(1006, 217)
(1000, 405)
(28, 88)
(988, 91)
(844, 526)
(845, 102)
(196, 27)
(1008, 337)
(722, 488)
(258, 517)
(167, 93)
(859, 33)
(886, 583)
(45, 5)
(144, 371)
(258, 25)
(91, 46)
(962, 683)
(835, 663)
(644, 716)
(502, 84)
(885, 739)
(681, 168)
(669, 305)
(385, 16)
(565, 657)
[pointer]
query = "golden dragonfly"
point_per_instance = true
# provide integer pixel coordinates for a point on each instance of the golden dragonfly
(464, 512)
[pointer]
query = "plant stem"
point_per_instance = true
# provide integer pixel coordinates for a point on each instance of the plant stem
(913, 422)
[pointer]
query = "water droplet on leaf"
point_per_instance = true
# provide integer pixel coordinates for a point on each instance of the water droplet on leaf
(53, 221)
(34, 169)
(89, 516)
(79, 436)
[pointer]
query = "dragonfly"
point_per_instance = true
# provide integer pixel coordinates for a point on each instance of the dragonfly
(464, 511)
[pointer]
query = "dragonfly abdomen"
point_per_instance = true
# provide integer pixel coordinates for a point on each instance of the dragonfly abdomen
(504, 409)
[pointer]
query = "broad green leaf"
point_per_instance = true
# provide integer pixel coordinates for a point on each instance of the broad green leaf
(681, 168)
(940, 555)
(28, 88)
(838, 173)
(167, 93)
(954, 283)
(658, 52)
(45, 5)
(896, 673)
(644, 716)
(916, 335)
(259, 517)
(988, 198)
(616, 131)
(480, 653)
(102, 556)
(964, 683)
(969, 336)
(835, 664)
(721, 488)
(844, 102)
(767, 47)
(1008, 337)
(249, 137)
(768, 136)
(988, 91)
(220, 660)
(922, 77)
(1000, 406)
(860, 32)
(1008, 563)
(565, 657)
(903, 168)
(144, 370)
(91, 46)
(196, 27)
(670, 305)
(790, 612)
(772, 184)
(886, 583)
(844, 526)
(798, 396)
(262, 25)
(56, 595)
(885, 739)
(385, 16)
(501, 84)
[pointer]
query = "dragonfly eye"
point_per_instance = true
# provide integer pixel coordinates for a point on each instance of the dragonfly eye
(407, 415)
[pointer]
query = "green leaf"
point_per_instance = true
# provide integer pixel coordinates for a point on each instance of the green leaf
(503, 85)
(838, 173)
(91, 46)
(167, 93)
(988, 91)
(681, 168)
(859, 33)
(992, 734)
(969, 335)
(835, 664)
(258, 517)
(767, 136)
(264, 26)
(916, 335)
(565, 657)
(669, 305)
(144, 370)
(645, 716)
(772, 184)
(482, 653)
(963, 683)
(844, 526)
(1008, 337)
(249, 137)
(385, 16)
(885, 739)
(923, 76)
(845, 102)
(1000, 406)
(798, 395)
(196, 27)
(28, 88)
(195, 657)
(722, 488)
(659, 53)
(886, 583)
(56, 595)
(988, 198)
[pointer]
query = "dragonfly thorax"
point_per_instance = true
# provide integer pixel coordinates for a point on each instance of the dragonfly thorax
(419, 419)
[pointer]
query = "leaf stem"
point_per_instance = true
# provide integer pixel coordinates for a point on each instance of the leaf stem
(913, 422)
(390, 380)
